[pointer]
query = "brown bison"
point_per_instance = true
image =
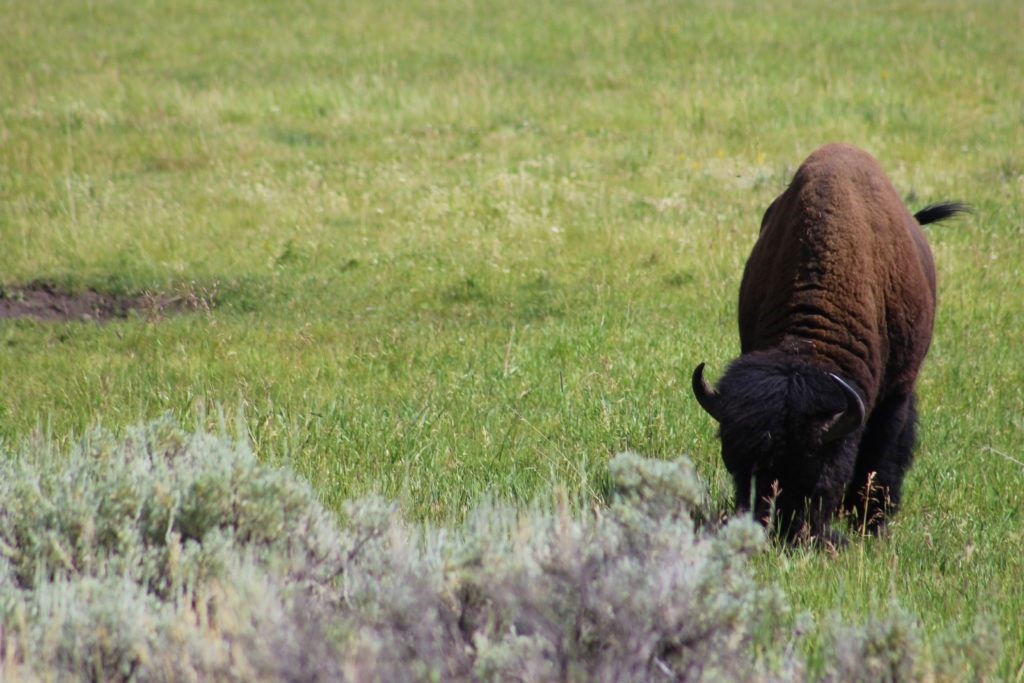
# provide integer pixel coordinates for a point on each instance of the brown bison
(836, 310)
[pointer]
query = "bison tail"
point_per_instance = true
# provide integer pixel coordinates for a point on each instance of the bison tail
(933, 213)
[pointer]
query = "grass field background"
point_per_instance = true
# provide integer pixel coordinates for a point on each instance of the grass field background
(468, 249)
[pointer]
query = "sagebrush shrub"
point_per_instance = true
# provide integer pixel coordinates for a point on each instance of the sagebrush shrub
(170, 556)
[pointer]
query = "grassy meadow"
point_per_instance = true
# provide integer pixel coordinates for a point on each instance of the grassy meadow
(454, 250)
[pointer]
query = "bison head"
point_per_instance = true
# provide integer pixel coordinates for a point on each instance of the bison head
(786, 428)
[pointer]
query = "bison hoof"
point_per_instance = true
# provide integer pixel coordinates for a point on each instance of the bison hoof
(830, 541)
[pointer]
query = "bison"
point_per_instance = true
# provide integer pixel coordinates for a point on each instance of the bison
(837, 302)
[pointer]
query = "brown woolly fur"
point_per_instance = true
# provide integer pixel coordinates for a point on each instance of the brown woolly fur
(841, 282)
(842, 273)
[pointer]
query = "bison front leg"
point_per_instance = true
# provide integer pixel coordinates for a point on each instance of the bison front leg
(885, 455)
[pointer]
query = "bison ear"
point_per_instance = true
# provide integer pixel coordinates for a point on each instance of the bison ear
(847, 420)
(707, 397)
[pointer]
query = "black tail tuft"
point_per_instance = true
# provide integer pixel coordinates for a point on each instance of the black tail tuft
(933, 213)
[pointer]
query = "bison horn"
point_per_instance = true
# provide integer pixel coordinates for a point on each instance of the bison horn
(707, 397)
(851, 418)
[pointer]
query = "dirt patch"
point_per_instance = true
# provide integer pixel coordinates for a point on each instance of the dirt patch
(43, 301)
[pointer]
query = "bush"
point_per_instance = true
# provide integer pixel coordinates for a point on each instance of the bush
(168, 556)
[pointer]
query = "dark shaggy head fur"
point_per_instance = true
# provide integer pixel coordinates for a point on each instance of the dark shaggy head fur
(775, 411)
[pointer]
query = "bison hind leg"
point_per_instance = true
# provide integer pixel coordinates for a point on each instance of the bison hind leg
(885, 454)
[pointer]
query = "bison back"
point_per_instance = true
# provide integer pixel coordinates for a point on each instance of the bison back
(842, 273)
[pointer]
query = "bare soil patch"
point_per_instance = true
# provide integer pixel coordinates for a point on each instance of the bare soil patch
(46, 302)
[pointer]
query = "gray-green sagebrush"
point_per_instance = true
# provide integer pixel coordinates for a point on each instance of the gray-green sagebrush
(467, 249)
(173, 556)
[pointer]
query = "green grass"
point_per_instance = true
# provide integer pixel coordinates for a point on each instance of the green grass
(465, 249)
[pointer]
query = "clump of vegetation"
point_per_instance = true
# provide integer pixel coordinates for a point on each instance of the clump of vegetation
(170, 556)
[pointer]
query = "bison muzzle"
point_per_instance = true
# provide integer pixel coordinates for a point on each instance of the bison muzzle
(836, 308)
